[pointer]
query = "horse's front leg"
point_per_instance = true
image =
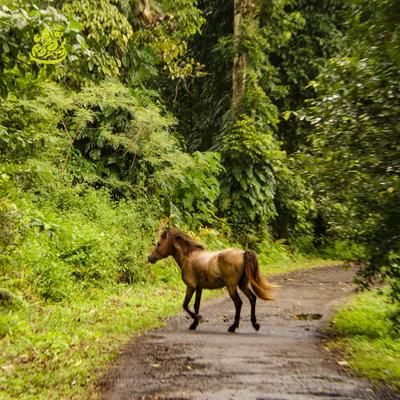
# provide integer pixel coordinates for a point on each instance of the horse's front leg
(197, 316)
(188, 297)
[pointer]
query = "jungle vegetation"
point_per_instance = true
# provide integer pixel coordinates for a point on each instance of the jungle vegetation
(271, 124)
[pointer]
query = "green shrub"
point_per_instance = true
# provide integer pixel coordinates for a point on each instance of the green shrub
(366, 315)
(344, 250)
(303, 244)
(78, 238)
(273, 252)
(366, 337)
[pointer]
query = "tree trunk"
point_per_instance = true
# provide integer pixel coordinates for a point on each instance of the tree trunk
(144, 11)
(242, 9)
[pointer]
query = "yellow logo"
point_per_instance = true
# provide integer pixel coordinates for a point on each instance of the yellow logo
(48, 49)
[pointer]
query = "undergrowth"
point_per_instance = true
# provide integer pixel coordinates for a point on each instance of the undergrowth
(367, 339)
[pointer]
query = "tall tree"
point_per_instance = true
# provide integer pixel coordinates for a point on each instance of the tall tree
(355, 165)
(233, 110)
(243, 10)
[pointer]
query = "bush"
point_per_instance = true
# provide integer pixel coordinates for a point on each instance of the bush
(366, 315)
(366, 336)
(76, 239)
(344, 250)
(303, 244)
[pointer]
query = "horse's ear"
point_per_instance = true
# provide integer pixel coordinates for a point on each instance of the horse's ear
(180, 243)
(163, 227)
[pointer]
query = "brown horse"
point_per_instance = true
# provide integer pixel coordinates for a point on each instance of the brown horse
(202, 269)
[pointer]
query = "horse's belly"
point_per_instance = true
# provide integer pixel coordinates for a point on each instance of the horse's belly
(212, 284)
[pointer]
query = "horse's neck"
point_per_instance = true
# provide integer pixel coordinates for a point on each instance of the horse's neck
(182, 260)
(179, 258)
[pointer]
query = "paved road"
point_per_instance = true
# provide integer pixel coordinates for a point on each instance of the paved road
(285, 360)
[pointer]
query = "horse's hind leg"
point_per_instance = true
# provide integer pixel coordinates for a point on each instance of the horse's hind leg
(197, 316)
(238, 305)
(243, 284)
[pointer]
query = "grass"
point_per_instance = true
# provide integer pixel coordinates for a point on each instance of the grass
(277, 259)
(366, 339)
(299, 263)
(57, 350)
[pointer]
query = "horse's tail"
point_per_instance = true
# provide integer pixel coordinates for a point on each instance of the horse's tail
(264, 290)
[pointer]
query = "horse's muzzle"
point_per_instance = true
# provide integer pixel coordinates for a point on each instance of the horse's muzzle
(151, 259)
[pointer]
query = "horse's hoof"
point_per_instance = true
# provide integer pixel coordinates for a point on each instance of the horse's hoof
(256, 326)
(193, 326)
(232, 328)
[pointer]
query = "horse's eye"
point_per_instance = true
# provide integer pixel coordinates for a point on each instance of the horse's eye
(158, 244)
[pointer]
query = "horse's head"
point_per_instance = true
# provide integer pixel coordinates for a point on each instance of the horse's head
(163, 248)
(173, 242)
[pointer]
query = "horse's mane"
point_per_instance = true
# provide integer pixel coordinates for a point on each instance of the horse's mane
(189, 241)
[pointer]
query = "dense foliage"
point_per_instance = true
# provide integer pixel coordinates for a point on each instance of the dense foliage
(284, 44)
(90, 157)
(201, 113)
(355, 140)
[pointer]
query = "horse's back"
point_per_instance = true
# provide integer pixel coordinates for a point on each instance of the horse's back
(218, 268)
(231, 256)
